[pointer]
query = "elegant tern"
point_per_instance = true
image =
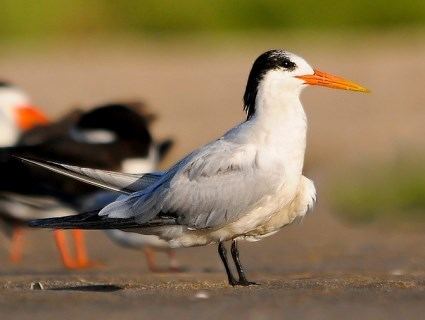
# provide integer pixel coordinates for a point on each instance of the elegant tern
(246, 185)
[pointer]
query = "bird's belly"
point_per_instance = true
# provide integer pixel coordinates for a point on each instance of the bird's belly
(297, 208)
(272, 214)
(264, 221)
(279, 220)
(179, 236)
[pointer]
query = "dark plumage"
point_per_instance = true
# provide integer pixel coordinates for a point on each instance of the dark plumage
(66, 141)
(57, 143)
(92, 221)
(106, 137)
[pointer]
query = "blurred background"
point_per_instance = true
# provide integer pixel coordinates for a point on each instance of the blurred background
(189, 60)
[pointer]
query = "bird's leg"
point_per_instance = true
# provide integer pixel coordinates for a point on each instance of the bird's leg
(174, 263)
(16, 245)
(80, 247)
(150, 258)
(243, 281)
(81, 251)
(62, 245)
(223, 255)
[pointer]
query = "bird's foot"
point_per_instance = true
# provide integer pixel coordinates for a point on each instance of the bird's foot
(16, 245)
(178, 269)
(157, 270)
(15, 257)
(246, 283)
(75, 265)
(90, 264)
(243, 283)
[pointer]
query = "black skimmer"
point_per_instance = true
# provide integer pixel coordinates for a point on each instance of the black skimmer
(91, 138)
(246, 185)
(17, 115)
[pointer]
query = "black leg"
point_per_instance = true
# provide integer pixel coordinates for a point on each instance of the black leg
(223, 255)
(243, 281)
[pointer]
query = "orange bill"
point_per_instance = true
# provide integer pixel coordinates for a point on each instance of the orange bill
(320, 78)
(29, 117)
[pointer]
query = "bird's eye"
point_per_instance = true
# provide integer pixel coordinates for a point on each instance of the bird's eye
(288, 64)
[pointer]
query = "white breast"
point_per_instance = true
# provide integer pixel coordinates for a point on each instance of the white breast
(10, 99)
(302, 203)
(9, 131)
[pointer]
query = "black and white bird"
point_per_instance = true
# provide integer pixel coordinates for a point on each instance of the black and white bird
(90, 138)
(246, 185)
(17, 114)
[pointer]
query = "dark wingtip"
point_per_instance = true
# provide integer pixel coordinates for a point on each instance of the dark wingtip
(24, 160)
(28, 160)
(44, 223)
(35, 223)
(17, 157)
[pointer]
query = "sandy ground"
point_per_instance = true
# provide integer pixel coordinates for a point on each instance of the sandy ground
(319, 269)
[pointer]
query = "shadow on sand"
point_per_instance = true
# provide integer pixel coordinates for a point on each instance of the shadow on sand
(90, 288)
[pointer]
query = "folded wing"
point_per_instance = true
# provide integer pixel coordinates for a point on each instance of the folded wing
(210, 188)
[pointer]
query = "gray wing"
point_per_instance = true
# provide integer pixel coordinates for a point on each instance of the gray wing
(113, 181)
(212, 187)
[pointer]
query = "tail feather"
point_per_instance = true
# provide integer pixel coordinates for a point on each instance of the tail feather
(109, 180)
(92, 221)
(88, 220)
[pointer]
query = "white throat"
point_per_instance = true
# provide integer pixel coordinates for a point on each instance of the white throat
(281, 124)
(9, 131)
(278, 96)
(11, 98)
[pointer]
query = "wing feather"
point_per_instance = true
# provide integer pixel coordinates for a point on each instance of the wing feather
(113, 181)
(210, 188)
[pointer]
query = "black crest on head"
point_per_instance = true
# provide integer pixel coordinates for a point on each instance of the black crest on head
(270, 60)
